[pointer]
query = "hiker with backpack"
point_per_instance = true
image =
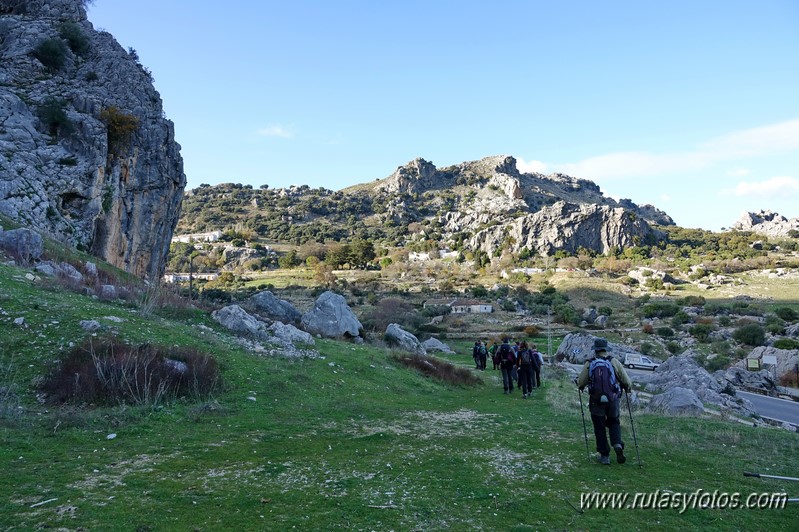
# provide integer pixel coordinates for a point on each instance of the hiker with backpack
(476, 354)
(494, 357)
(483, 355)
(605, 378)
(526, 362)
(507, 363)
(537, 363)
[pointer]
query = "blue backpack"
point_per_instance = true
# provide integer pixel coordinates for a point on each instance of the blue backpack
(603, 388)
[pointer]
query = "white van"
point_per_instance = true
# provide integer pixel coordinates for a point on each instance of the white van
(632, 360)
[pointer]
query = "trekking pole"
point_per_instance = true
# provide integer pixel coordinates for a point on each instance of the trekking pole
(585, 432)
(632, 424)
(758, 475)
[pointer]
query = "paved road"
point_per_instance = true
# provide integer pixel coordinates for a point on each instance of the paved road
(780, 409)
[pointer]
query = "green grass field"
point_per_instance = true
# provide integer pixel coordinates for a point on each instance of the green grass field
(350, 440)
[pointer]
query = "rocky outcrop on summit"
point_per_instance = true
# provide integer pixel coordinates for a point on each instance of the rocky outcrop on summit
(766, 223)
(568, 227)
(504, 209)
(87, 156)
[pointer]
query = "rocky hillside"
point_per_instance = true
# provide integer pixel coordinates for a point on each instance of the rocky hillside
(86, 155)
(767, 223)
(483, 206)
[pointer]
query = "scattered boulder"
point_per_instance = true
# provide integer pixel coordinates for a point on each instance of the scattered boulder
(435, 345)
(682, 371)
(399, 338)
(236, 319)
(786, 358)
(108, 291)
(601, 321)
(761, 380)
(579, 347)
(90, 325)
(177, 367)
(267, 305)
(331, 317)
(677, 401)
(290, 333)
(22, 243)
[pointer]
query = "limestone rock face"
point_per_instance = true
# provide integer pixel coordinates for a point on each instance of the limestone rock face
(68, 168)
(566, 226)
(766, 223)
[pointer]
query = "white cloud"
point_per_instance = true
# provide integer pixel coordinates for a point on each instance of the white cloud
(665, 198)
(755, 142)
(527, 167)
(774, 188)
(738, 172)
(275, 131)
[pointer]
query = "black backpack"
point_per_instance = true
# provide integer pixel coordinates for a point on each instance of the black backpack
(505, 353)
(527, 357)
(604, 387)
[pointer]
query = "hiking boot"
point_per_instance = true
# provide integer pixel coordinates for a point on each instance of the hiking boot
(505, 392)
(604, 459)
(619, 448)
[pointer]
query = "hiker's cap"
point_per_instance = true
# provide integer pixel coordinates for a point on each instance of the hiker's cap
(600, 344)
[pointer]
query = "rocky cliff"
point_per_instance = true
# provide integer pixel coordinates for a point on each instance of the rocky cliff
(766, 223)
(502, 208)
(86, 154)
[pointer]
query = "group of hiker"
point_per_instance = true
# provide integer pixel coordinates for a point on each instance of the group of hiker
(603, 375)
(520, 363)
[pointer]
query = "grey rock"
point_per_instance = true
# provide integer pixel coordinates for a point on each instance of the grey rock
(792, 330)
(435, 345)
(677, 401)
(121, 199)
(23, 243)
(290, 333)
(91, 269)
(46, 268)
(108, 291)
(176, 366)
(396, 337)
(90, 325)
(267, 305)
(236, 319)
(589, 314)
(789, 427)
(787, 359)
(682, 371)
(579, 347)
(601, 321)
(331, 317)
(744, 379)
(766, 223)
(19, 322)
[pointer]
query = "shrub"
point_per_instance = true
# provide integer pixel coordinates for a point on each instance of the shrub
(73, 35)
(660, 309)
(786, 313)
(701, 331)
(680, 318)
(647, 348)
(673, 347)
(54, 118)
(605, 311)
(665, 332)
(531, 331)
(107, 371)
(52, 53)
(647, 328)
(786, 343)
(438, 369)
(120, 128)
(751, 334)
(691, 301)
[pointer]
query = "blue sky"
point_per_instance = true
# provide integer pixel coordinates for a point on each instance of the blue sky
(692, 106)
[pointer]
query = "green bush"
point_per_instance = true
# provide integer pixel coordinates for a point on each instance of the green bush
(680, 318)
(54, 118)
(52, 53)
(660, 309)
(691, 301)
(786, 313)
(75, 38)
(786, 343)
(120, 127)
(665, 332)
(701, 331)
(673, 347)
(751, 334)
